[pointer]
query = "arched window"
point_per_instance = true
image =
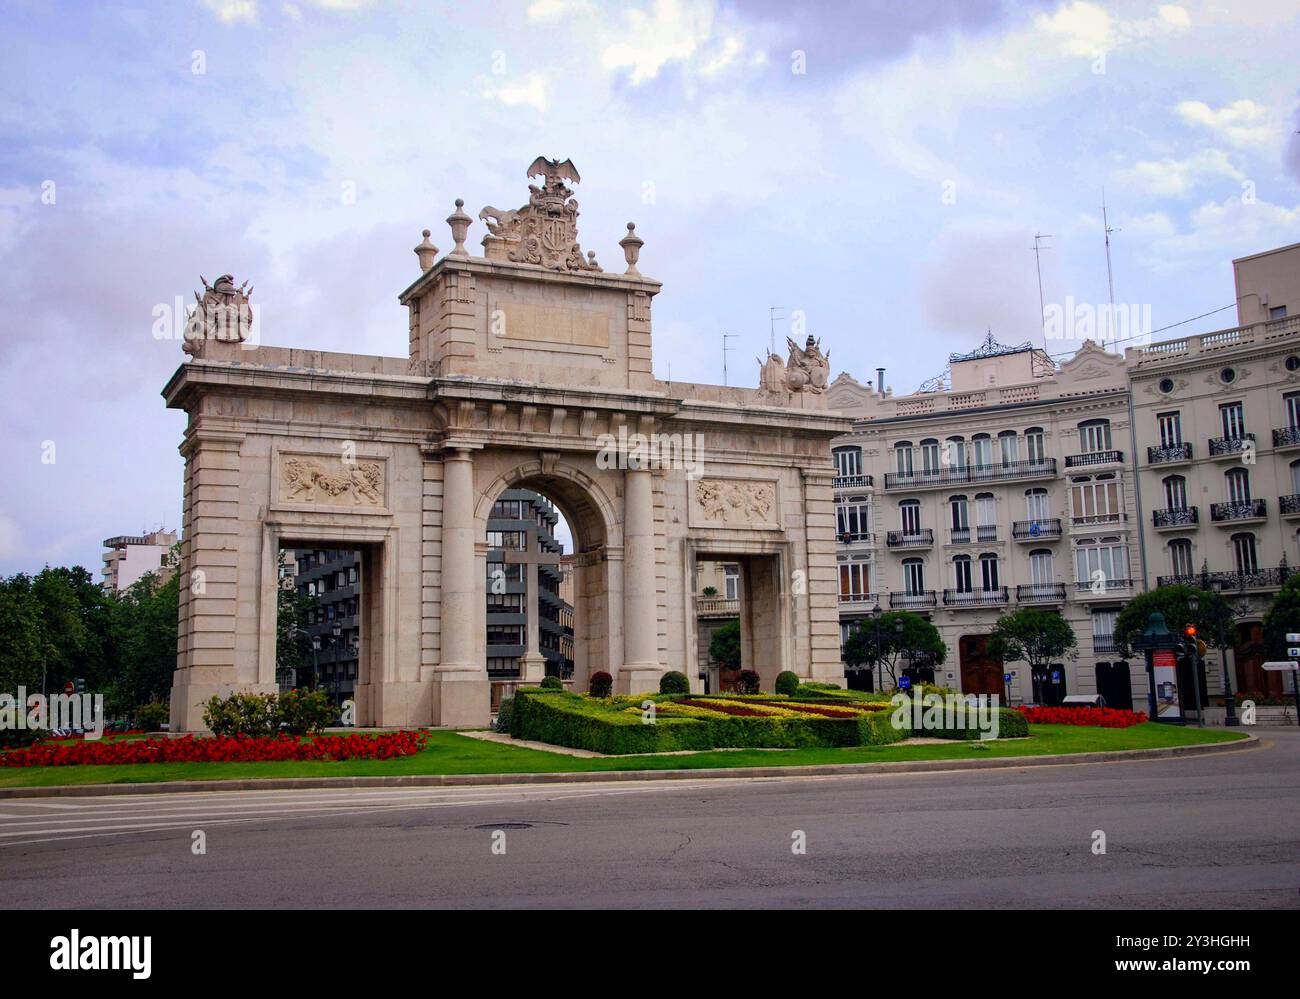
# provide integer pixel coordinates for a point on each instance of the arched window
(1295, 477)
(1042, 568)
(1094, 435)
(986, 517)
(1243, 551)
(981, 450)
(1238, 485)
(960, 511)
(961, 574)
(913, 576)
(909, 515)
(1175, 488)
(930, 456)
(1180, 557)
(848, 462)
(1036, 504)
(956, 451)
(989, 574)
(904, 455)
(1036, 444)
(1009, 447)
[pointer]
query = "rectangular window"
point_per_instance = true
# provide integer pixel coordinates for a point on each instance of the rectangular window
(960, 514)
(983, 451)
(986, 511)
(848, 463)
(855, 579)
(910, 514)
(1094, 437)
(1171, 429)
(905, 459)
(1180, 557)
(1243, 549)
(1176, 493)
(1103, 623)
(1036, 505)
(731, 582)
(1036, 445)
(1293, 410)
(961, 575)
(913, 578)
(1233, 420)
(1238, 486)
(1095, 502)
(930, 458)
(1010, 449)
(853, 519)
(989, 573)
(1041, 570)
(1277, 312)
(1111, 560)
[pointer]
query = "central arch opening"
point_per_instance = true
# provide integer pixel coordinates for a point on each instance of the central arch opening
(546, 585)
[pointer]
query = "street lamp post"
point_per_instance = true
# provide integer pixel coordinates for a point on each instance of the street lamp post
(875, 614)
(1221, 612)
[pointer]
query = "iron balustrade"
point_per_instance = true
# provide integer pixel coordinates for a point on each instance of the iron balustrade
(1093, 458)
(986, 532)
(1236, 579)
(1177, 516)
(909, 601)
(1103, 585)
(974, 598)
(923, 538)
(853, 481)
(1288, 504)
(1231, 445)
(1033, 593)
(971, 473)
(1286, 436)
(1173, 452)
(1034, 530)
(1245, 510)
(960, 535)
(1104, 643)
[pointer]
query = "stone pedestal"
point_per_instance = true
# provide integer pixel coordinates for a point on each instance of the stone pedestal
(641, 668)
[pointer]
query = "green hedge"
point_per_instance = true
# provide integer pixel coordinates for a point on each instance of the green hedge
(565, 719)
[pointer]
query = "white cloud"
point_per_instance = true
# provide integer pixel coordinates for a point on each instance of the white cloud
(528, 90)
(1243, 122)
(548, 11)
(1085, 29)
(233, 11)
(672, 32)
(1215, 231)
(1178, 178)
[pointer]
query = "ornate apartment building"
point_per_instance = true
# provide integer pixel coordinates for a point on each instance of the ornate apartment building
(1074, 487)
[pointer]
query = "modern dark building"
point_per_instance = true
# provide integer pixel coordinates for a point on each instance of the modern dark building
(521, 527)
(333, 577)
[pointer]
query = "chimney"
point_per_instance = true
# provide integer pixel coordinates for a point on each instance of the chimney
(880, 380)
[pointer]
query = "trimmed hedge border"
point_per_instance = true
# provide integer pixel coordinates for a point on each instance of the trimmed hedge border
(605, 726)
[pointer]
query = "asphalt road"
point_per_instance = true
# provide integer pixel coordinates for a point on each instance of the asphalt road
(1205, 831)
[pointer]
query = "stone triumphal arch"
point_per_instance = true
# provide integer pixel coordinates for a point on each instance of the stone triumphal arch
(530, 366)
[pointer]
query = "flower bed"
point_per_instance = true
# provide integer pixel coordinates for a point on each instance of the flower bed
(1096, 717)
(218, 749)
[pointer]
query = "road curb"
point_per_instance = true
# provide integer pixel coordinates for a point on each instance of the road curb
(607, 776)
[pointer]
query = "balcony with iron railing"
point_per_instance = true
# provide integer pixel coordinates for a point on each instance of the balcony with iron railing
(1236, 512)
(1100, 587)
(853, 482)
(912, 601)
(1093, 458)
(1040, 593)
(923, 538)
(861, 600)
(1237, 579)
(1175, 518)
(1289, 506)
(981, 532)
(1286, 438)
(1169, 454)
(975, 598)
(959, 536)
(1230, 447)
(959, 474)
(1047, 529)
(1105, 644)
(856, 538)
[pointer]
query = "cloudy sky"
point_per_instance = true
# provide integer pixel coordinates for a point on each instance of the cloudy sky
(881, 168)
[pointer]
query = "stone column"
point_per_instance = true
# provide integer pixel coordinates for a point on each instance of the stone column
(641, 669)
(461, 689)
(532, 667)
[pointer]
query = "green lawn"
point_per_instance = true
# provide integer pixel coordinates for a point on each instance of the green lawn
(450, 753)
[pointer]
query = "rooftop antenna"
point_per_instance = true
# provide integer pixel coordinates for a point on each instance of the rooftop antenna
(772, 317)
(725, 351)
(1110, 277)
(1038, 266)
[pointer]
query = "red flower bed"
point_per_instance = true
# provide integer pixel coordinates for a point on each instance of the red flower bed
(1096, 717)
(218, 749)
(738, 710)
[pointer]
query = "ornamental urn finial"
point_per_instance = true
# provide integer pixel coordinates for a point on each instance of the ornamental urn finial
(459, 223)
(426, 252)
(631, 244)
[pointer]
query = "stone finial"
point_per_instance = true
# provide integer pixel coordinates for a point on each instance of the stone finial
(426, 252)
(631, 244)
(459, 223)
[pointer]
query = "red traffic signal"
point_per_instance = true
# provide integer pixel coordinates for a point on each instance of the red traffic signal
(1190, 631)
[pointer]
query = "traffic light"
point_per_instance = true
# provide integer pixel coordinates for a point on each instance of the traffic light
(81, 685)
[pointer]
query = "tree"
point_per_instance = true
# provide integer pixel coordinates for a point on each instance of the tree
(1032, 636)
(903, 635)
(75, 613)
(144, 623)
(1282, 616)
(22, 634)
(724, 647)
(1172, 602)
(292, 643)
